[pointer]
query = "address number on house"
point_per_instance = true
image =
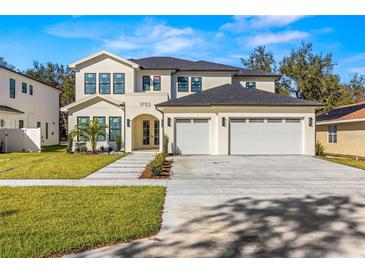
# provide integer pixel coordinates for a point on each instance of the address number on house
(145, 104)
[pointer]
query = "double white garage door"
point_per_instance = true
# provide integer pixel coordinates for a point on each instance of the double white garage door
(246, 136)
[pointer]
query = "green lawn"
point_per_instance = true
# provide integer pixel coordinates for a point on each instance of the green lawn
(48, 221)
(346, 161)
(52, 163)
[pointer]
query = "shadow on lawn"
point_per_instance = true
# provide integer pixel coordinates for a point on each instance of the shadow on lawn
(245, 227)
(7, 213)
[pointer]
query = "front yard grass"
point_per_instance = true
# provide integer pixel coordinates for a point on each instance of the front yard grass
(52, 163)
(346, 161)
(49, 221)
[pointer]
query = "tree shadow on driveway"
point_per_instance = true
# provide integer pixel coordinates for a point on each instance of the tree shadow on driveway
(305, 226)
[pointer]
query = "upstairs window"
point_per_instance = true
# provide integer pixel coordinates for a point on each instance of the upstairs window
(250, 84)
(332, 134)
(90, 83)
(196, 84)
(182, 84)
(12, 88)
(118, 83)
(146, 82)
(157, 83)
(30, 89)
(24, 87)
(104, 83)
(21, 123)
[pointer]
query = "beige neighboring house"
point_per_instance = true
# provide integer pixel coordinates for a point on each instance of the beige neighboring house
(203, 107)
(28, 103)
(342, 130)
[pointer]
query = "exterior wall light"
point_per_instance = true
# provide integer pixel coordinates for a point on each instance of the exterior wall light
(128, 122)
(223, 121)
(310, 122)
(169, 122)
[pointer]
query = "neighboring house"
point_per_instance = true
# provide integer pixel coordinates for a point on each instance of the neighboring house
(342, 130)
(203, 107)
(28, 103)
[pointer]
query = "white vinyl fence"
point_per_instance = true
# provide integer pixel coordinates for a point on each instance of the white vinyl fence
(25, 139)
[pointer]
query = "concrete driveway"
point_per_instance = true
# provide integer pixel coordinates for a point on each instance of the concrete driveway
(256, 206)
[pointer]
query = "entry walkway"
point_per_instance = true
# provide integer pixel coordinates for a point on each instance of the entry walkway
(129, 167)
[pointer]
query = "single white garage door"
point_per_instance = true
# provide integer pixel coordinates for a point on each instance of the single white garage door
(192, 136)
(266, 136)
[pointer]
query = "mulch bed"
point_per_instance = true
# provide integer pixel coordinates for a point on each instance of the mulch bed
(165, 173)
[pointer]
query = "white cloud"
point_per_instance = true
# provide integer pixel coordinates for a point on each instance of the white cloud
(360, 70)
(247, 23)
(276, 38)
(158, 39)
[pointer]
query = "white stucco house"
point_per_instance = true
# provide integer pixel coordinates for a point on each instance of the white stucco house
(26, 103)
(203, 107)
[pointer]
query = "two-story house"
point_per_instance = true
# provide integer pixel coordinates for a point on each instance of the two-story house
(28, 103)
(203, 107)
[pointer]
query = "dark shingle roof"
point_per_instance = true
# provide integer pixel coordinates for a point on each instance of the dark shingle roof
(354, 111)
(258, 73)
(236, 95)
(9, 109)
(187, 65)
(180, 64)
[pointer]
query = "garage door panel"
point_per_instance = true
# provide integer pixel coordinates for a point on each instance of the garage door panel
(192, 136)
(266, 136)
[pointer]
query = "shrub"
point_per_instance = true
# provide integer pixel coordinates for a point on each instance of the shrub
(320, 150)
(165, 144)
(118, 142)
(155, 166)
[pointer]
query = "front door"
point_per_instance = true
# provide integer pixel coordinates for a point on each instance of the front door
(151, 133)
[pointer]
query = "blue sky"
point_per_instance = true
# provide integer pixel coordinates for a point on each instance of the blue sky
(223, 39)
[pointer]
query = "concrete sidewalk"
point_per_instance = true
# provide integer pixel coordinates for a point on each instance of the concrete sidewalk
(85, 182)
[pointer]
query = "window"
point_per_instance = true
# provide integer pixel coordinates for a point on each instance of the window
(146, 83)
(157, 83)
(274, 120)
(46, 131)
(182, 84)
(21, 123)
(196, 84)
(12, 88)
(118, 83)
(90, 83)
(146, 132)
(101, 123)
(24, 87)
(115, 127)
(332, 134)
(292, 120)
(256, 120)
(156, 138)
(250, 84)
(82, 121)
(30, 89)
(104, 83)
(2, 123)
(38, 124)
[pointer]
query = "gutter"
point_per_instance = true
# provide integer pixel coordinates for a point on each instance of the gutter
(340, 121)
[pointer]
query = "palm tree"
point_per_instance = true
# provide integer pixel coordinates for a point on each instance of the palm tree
(90, 131)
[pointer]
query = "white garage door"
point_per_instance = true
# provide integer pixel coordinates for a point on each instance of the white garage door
(266, 136)
(192, 136)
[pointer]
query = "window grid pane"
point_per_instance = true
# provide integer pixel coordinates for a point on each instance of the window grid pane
(250, 84)
(183, 84)
(24, 87)
(102, 123)
(114, 128)
(30, 90)
(90, 83)
(146, 132)
(104, 83)
(82, 122)
(146, 83)
(196, 84)
(157, 83)
(12, 88)
(156, 132)
(118, 83)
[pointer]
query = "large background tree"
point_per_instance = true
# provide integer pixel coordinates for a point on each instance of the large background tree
(357, 87)
(58, 76)
(310, 76)
(5, 64)
(260, 59)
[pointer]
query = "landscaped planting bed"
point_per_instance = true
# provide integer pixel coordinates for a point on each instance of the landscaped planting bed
(158, 168)
(51, 221)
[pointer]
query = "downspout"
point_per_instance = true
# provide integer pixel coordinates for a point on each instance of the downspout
(124, 128)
